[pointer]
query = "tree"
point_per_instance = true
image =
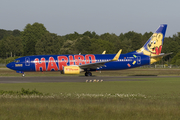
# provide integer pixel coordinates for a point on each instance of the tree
(68, 47)
(106, 36)
(94, 35)
(88, 34)
(99, 45)
(176, 37)
(146, 37)
(13, 46)
(135, 38)
(170, 46)
(2, 33)
(5, 33)
(83, 45)
(136, 41)
(30, 35)
(178, 62)
(126, 46)
(129, 35)
(16, 32)
(48, 44)
(2, 49)
(72, 36)
(176, 58)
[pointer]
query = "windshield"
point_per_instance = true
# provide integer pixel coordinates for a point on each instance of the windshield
(16, 61)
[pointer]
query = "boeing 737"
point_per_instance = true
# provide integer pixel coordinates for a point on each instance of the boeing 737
(74, 64)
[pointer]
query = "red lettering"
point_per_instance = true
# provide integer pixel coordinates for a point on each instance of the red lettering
(79, 59)
(62, 60)
(71, 60)
(52, 65)
(41, 64)
(71, 69)
(93, 59)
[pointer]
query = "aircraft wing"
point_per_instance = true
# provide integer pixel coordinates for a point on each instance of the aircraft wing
(100, 64)
(93, 65)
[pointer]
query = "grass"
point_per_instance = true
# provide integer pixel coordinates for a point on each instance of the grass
(94, 108)
(150, 86)
(138, 99)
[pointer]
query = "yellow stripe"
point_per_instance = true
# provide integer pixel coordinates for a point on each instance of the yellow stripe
(134, 62)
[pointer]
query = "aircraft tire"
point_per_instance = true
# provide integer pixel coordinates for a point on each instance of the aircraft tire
(89, 74)
(23, 75)
(86, 74)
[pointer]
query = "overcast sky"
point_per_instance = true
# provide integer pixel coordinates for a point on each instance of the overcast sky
(112, 16)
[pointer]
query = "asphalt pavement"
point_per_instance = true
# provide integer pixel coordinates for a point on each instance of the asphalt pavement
(74, 79)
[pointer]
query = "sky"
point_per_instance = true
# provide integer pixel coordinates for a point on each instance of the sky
(113, 16)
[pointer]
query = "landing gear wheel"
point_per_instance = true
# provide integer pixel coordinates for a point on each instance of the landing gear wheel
(62, 72)
(23, 75)
(88, 73)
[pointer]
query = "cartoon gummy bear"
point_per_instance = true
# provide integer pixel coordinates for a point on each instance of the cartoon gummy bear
(155, 44)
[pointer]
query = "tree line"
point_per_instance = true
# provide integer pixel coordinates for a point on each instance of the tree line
(36, 40)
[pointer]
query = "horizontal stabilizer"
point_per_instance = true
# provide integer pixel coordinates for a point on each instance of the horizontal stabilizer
(161, 55)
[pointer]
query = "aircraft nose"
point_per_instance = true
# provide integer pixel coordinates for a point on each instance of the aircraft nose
(10, 65)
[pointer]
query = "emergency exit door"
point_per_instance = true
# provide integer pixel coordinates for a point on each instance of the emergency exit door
(138, 60)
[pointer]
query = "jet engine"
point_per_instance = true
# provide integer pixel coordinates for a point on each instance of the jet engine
(71, 70)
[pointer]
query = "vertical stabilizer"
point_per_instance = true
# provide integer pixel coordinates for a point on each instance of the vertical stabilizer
(153, 46)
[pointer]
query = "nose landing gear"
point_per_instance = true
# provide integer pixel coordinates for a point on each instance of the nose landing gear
(23, 75)
(22, 72)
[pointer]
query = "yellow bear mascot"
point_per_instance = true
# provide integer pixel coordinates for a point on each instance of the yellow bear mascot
(154, 46)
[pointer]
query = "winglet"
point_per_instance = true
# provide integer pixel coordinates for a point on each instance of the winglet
(117, 56)
(104, 52)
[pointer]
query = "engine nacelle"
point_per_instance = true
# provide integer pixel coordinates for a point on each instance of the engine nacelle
(71, 70)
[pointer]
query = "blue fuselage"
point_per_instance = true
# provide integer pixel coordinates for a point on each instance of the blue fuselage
(57, 62)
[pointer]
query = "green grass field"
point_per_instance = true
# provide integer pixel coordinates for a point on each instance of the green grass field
(138, 99)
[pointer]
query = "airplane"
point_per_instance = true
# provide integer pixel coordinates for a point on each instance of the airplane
(74, 64)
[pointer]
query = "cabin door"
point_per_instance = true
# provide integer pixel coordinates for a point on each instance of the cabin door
(27, 61)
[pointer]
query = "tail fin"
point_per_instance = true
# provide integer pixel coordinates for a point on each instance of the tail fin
(153, 46)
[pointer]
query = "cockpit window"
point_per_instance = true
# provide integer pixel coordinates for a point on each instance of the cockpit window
(16, 61)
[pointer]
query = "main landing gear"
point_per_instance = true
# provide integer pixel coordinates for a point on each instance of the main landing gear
(87, 73)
